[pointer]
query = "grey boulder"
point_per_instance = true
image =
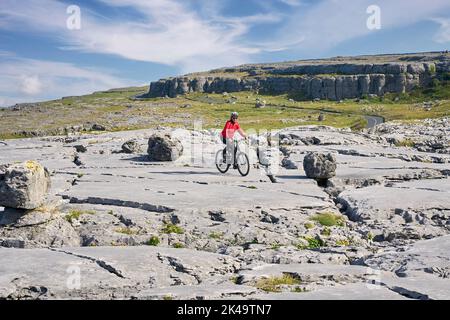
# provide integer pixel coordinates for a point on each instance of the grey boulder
(23, 185)
(164, 147)
(319, 165)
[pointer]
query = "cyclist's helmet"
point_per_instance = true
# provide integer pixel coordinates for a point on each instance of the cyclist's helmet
(234, 114)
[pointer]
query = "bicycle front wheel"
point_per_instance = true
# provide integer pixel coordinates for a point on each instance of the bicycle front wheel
(243, 164)
(221, 165)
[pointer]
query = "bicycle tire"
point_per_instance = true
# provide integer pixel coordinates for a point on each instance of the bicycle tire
(241, 170)
(219, 158)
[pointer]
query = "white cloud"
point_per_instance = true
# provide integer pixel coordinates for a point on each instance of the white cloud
(30, 80)
(294, 3)
(31, 85)
(170, 32)
(443, 34)
(174, 33)
(331, 22)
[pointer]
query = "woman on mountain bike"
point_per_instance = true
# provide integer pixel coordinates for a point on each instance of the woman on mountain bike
(231, 126)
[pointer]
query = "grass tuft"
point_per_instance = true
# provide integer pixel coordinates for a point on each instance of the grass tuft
(215, 235)
(329, 219)
(343, 243)
(126, 230)
(76, 214)
(309, 225)
(273, 284)
(405, 143)
(172, 228)
(153, 241)
(313, 243)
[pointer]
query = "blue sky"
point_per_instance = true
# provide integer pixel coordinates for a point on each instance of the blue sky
(132, 42)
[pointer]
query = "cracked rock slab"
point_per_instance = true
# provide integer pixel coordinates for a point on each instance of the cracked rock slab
(352, 291)
(22, 269)
(307, 272)
(164, 193)
(421, 269)
(107, 272)
(379, 202)
(199, 292)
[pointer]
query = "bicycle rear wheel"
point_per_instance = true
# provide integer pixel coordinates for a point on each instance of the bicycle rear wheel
(221, 165)
(243, 164)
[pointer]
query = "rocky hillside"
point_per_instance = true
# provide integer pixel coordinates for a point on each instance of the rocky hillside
(333, 79)
(270, 96)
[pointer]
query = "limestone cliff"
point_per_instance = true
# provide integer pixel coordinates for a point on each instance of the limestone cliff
(333, 79)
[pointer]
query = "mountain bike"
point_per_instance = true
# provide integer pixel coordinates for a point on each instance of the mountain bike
(240, 160)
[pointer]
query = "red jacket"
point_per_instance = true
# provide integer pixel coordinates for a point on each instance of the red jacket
(229, 129)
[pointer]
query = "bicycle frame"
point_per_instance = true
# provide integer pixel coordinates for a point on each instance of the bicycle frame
(235, 150)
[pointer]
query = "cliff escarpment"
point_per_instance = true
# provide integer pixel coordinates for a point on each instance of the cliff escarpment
(333, 79)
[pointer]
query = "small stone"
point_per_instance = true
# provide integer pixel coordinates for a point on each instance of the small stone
(269, 218)
(80, 148)
(77, 160)
(321, 117)
(98, 127)
(288, 164)
(131, 146)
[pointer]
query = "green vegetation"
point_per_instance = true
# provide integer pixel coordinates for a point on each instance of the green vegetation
(275, 246)
(446, 76)
(405, 143)
(432, 69)
(172, 228)
(234, 279)
(178, 245)
(329, 219)
(168, 297)
(309, 225)
(343, 242)
(273, 284)
(126, 230)
(216, 235)
(326, 231)
(76, 214)
(153, 241)
(12, 135)
(313, 243)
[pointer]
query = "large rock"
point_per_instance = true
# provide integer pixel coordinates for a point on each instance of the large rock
(319, 165)
(23, 185)
(164, 147)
